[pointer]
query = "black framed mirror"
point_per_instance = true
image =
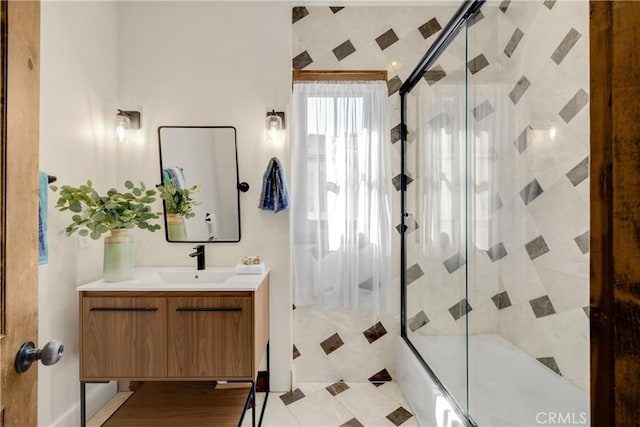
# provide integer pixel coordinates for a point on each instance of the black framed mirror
(200, 183)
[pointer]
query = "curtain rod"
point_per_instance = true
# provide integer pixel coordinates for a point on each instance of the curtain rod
(468, 8)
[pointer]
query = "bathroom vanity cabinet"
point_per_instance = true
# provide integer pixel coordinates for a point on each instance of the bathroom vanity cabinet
(174, 332)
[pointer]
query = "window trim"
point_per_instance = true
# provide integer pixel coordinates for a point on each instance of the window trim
(339, 75)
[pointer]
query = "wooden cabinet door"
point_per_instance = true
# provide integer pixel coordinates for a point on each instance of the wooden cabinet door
(211, 337)
(123, 337)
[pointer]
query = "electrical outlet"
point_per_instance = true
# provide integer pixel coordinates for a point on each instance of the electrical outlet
(83, 241)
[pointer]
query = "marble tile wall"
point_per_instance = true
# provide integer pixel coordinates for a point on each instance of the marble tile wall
(527, 66)
(527, 260)
(344, 345)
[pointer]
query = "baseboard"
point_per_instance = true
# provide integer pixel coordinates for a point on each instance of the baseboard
(97, 396)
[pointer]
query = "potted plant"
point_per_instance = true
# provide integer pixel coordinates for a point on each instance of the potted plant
(116, 212)
(178, 204)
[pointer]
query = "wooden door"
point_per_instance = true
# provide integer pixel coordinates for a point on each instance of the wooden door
(615, 213)
(20, 41)
(211, 337)
(123, 337)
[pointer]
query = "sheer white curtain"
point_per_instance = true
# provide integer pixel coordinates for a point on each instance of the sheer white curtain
(340, 204)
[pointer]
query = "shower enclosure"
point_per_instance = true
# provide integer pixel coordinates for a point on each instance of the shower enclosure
(495, 211)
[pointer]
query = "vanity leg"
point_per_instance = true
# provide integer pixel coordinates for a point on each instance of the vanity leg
(268, 387)
(83, 404)
(253, 398)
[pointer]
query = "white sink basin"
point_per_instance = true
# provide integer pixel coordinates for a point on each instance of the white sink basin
(193, 277)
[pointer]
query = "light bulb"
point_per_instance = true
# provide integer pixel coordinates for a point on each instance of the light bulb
(122, 124)
(274, 128)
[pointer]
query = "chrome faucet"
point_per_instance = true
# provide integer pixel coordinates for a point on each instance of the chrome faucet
(200, 254)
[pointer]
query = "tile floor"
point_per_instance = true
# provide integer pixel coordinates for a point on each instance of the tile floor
(320, 405)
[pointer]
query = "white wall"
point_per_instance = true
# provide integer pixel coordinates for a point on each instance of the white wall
(212, 63)
(78, 91)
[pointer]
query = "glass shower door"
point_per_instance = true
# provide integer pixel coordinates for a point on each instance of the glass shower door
(528, 214)
(436, 220)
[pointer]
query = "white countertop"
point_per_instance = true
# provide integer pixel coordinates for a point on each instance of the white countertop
(152, 279)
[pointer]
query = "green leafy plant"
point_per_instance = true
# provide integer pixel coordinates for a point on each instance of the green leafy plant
(94, 214)
(178, 200)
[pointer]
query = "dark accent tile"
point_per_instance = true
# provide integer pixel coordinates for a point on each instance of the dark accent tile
(483, 110)
(453, 263)
(386, 39)
(478, 63)
(413, 273)
(583, 242)
(302, 60)
(521, 142)
(343, 50)
(418, 321)
(580, 172)
(336, 9)
(434, 74)
(353, 422)
(367, 284)
(573, 107)
(373, 333)
(587, 311)
(292, 396)
(542, 306)
(513, 42)
(296, 352)
(399, 416)
(429, 28)
(380, 378)
(519, 89)
(550, 363)
(549, 3)
(497, 202)
(497, 252)
(332, 343)
(441, 121)
(410, 225)
(397, 181)
(477, 17)
(396, 133)
(393, 85)
(504, 6)
(297, 13)
(337, 388)
(565, 46)
(536, 248)
(531, 191)
(332, 187)
(460, 309)
(501, 300)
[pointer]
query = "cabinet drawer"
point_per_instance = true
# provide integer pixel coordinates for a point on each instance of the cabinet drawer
(123, 337)
(210, 337)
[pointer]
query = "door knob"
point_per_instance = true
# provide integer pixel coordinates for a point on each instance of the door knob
(50, 354)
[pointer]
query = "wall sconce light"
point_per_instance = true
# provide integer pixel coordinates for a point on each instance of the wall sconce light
(275, 126)
(126, 120)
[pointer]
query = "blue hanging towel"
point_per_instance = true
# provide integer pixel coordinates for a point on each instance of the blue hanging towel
(177, 174)
(274, 188)
(43, 248)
